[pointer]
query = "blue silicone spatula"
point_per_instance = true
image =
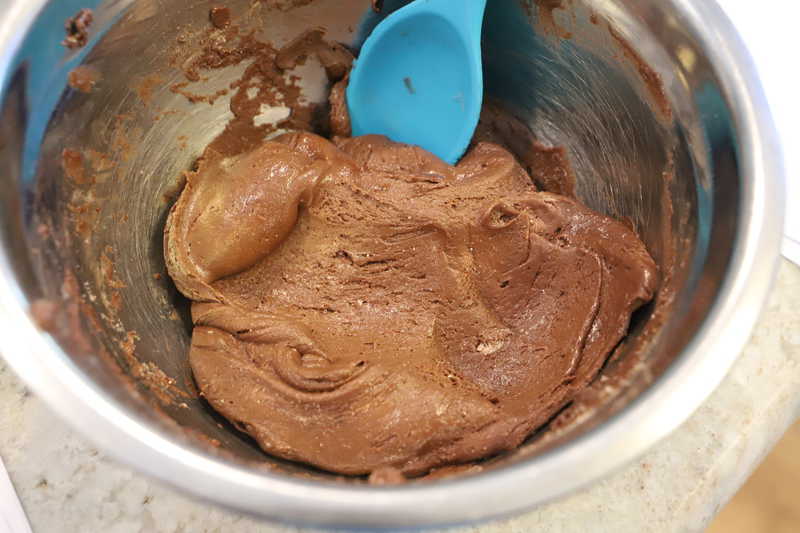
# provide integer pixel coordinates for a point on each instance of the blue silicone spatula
(419, 77)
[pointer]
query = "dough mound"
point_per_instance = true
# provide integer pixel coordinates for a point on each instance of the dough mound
(359, 304)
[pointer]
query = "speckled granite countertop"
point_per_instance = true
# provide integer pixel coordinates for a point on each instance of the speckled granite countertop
(68, 486)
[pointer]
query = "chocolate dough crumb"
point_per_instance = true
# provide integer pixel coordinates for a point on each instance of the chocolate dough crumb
(220, 17)
(83, 78)
(77, 28)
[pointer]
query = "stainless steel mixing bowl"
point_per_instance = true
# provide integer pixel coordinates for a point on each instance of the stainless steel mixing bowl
(115, 366)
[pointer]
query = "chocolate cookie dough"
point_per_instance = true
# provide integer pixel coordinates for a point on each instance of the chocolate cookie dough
(359, 304)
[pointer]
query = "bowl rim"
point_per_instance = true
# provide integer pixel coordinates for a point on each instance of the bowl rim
(704, 362)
